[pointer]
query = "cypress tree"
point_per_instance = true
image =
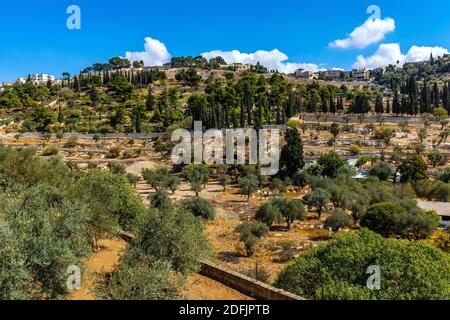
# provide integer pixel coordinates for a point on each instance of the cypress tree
(332, 102)
(379, 104)
(436, 99)
(291, 158)
(150, 101)
(446, 96)
(396, 107)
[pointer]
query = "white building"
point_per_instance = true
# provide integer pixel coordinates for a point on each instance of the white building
(39, 79)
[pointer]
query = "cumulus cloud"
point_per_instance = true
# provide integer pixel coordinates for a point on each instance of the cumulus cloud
(273, 60)
(372, 31)
(155, 54)
(390, 53)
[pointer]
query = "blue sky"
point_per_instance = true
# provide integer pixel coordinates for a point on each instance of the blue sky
(35, 39)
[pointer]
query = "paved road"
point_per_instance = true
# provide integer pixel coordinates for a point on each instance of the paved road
(442, 208)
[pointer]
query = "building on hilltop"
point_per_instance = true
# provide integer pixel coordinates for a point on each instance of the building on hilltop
(39, 79)
(301, 73)
(238, 67)
(361, 74)
(332, 74)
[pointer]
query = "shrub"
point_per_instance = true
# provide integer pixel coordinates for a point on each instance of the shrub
(160, 200)
(172, 183)
(113, 152)
(378, 217)
(444, 175)
(277, 185)
(200, 207)
(116, 168)
(355, 150)
(258, 273)
(382, 171)
(287, 252)
(72, 142)
(133, 179)
(173, 235)
(440, 191)
(50, 151)
(141, 281)
(337, 220)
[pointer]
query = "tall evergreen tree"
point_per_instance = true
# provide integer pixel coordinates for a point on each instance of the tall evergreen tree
(388, 105)
(446, 96)
(379, 104)
(396, 107)
(291, 158)
(150, 101)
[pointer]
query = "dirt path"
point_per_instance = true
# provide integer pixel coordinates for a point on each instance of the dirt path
(102, 261)
(199, 287)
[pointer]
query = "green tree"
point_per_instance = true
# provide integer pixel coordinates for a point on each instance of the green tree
(378, 217)
(248, 184)
(413, 168)
(176, 236)
(337, 220)
(249, 233)
(161, 200)
(290, 210)
(291, 158)
(318, 198)
(200, 207)
(224, 179)
(410, 270)
(172, 183)
(268, 214)
(330, 163)
(156, 178)
(381, 170)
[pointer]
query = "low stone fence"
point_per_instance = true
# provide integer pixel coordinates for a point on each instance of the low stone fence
(244, 284)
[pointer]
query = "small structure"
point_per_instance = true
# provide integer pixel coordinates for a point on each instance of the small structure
(303, 74)
(441, 208)
(360, 74)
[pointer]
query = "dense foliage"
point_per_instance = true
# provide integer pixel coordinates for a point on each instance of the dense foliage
(409, 270)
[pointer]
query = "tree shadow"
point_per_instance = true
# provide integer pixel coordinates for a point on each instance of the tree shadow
(230, 257)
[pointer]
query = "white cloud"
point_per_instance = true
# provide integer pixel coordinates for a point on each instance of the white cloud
(273, 60)
(390, 53)
(155, 53)
(416, 53)
(372, 31)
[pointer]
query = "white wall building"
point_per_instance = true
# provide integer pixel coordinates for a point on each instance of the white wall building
(39, 79)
